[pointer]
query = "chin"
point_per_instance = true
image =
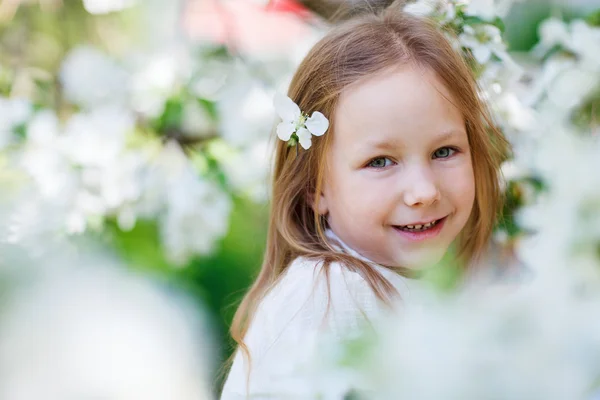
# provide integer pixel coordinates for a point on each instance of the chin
(422, 261)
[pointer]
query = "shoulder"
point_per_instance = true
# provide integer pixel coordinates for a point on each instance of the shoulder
(318, 278)
(330, 296)
(310, 303)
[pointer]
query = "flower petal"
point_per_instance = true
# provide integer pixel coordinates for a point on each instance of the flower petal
(286, 108)
(285, 130)
(304, 137)
(482, 53)
(317, 124)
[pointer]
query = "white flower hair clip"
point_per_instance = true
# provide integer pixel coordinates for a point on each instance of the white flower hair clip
(296, 126)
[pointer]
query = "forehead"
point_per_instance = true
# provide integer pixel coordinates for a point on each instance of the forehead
(396, 105)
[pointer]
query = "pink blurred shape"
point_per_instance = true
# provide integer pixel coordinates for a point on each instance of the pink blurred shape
(247, 26)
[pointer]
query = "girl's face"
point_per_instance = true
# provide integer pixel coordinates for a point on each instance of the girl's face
(399, 159)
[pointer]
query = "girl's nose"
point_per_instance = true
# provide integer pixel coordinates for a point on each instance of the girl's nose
(421, 188)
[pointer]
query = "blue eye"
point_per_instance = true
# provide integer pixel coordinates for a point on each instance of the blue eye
(444, 152)
(380, 162)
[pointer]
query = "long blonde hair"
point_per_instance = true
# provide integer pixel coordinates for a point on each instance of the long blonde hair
(360, 47)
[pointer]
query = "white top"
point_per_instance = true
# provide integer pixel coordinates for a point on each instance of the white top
(293, 318)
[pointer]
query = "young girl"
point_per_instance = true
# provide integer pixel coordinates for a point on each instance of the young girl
(408, 166)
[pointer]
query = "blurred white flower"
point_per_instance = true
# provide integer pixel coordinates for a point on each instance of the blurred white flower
(246, 109)
(43, 160)
(577, 37)
(571, 197)
(13, 112)
(99, 332)
(585, 42)
(484, 41)
(512, 114)
(421, 7)
(33, 222)
(86, 166)
(572, 87)
(544, 77)
(444, 9)
(43, 129)
(118, 182)
(97, 138)
(501, 88)
(107, 6)
(196, 212)
(295, 122)
(161, 25)
(90, 79)
(196, 121)
(247, 170)
(156, 77)
(488, 9)
(485, 9)
(211, 77)
(552, 32)
(533, 341)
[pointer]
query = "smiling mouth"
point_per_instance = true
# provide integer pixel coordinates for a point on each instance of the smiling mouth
(419, 228)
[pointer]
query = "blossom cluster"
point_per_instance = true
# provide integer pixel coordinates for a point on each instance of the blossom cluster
(167, 129)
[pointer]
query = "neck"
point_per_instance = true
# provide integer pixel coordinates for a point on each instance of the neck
(342, 247)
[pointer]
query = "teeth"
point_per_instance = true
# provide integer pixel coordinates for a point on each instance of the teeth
(419, 227)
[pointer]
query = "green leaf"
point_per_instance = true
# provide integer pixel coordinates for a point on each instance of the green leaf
(171, 117)
(499, 23)
(594, 18)
(210, 107)
(21, 130)
(472, 20)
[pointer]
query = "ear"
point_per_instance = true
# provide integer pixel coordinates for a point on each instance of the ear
(319, 204)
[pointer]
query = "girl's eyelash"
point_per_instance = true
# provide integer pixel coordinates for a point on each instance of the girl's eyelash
(370, 163)
(451, 148)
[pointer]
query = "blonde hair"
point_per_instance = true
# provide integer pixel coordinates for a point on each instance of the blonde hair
(360, 47)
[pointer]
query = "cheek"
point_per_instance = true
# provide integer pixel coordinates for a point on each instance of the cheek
(356, 197)
(459, 184)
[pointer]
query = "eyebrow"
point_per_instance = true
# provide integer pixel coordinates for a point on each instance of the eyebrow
(450, 134)
(395, 143)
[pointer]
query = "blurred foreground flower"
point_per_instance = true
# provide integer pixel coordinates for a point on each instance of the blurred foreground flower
(98, 332)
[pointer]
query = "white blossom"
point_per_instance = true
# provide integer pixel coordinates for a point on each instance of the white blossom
(444, 9)
(90, 78)
(585, 42)
(421, 7)
(295, 122)
(489, 9)
(577, 37)
(484, 41)
(42, 158)
(156, 77)
(196, 121)
(247, 170)
(572, 87)
(552, 32)
(248, 106)
(97, 138)
(107, 6)
(196, 211)
(484, 9)
(13, 112)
